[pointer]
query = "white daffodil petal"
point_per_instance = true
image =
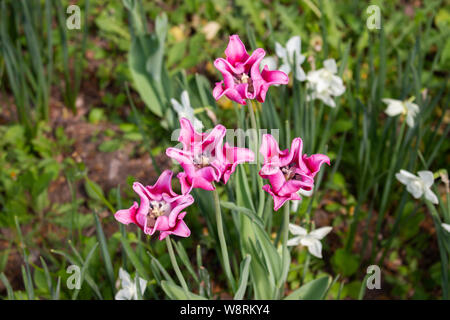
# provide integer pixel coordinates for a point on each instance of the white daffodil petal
(405, 176)
(294, 241)
(280, 51)
(123, 294)
(125, 278)
(294, 205)
(415, 189)
(337, 87)
(297, 230)
(410, 120)
(185, 100)
(320, 233)
(412, 107)
(446, 227)
(394, 109)
(198, 125)
(431, 196)
(427, 177)
(299, 73)
(286, 68)
(293, 47)
(330, 65)
(270, 62)
(327, 99)
(176, 106)
(142, 285)
(314, 246)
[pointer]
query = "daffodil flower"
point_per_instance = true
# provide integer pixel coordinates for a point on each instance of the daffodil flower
(291, 57)
(418, 185)
(406, 107)
(324, 84)
(129, 288)
(310, 240)
(184, 110)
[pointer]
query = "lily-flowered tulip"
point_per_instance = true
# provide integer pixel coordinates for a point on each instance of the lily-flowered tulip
(242, 78)
(310, 240)
(291, 57)
(418, 185)
(289, 171)
(184, 110)
(204, 157)
(407, 107)
(129, 288)
(325, 84)
(160, 209)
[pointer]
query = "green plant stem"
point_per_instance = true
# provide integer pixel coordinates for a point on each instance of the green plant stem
(175, 264)
(257, 141)
(285, 226)
(222, 241)
(442, 250)
(306, 267)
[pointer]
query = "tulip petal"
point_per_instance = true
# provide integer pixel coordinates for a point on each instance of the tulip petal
(235, 50)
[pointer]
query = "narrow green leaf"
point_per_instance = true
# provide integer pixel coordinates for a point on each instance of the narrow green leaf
(176, 292)
(313, 290)
(243, 280)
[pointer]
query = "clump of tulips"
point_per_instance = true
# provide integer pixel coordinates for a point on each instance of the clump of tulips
(207, 159)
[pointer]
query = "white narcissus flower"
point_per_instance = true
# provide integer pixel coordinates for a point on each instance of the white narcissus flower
(446, 227)
(310, 240)
(129, 289)
(184, 110)
(289, 55)
(325, 84)
(407, 107)
(418, 185)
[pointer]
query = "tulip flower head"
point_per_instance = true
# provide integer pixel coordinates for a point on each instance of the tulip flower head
(242, 78)
(129, 288)
(310, 240)
(407, 108)
(160, 209)
(325, 84)
(288, 171)
(291, 57)
(419, 185)
(204, 157)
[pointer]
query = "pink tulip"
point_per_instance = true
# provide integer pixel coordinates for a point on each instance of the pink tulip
(242, 78)
(204, 157)
(159, 210)
(232, 157)
(288, 171)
